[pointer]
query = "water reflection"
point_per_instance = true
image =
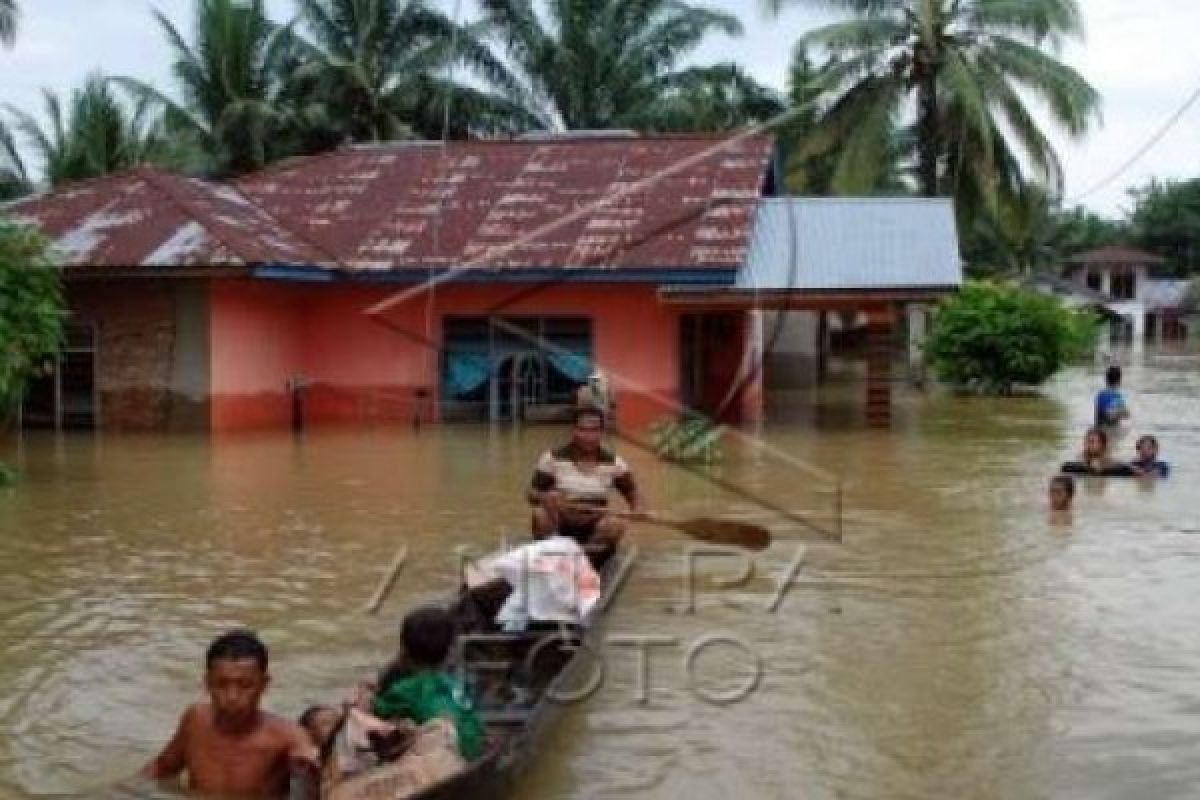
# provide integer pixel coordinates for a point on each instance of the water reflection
(955, 644)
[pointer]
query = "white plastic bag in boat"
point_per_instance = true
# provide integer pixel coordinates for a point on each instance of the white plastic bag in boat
(552, 581)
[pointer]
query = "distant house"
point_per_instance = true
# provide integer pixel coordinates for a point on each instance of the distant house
(477, 280)
(1122, 276)
(1167, 318)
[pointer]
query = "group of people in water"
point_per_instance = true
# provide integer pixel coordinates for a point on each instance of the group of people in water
(1096, 459)
(417, 714)
(230, 747)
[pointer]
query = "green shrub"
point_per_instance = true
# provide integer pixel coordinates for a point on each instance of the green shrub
(31, 308)
(31, 313)
(990, 338)
(687, 440)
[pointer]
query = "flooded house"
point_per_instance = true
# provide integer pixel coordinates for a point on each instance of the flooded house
(475, 280)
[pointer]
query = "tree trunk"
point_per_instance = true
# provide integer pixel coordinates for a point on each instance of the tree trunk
(928, 146)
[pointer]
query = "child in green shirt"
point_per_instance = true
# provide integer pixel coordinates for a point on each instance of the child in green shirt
(424, 690)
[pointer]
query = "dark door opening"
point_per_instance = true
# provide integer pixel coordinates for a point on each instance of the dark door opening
(711, 350)
(64, 395)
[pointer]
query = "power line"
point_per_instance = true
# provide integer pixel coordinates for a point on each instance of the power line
(1150, 144)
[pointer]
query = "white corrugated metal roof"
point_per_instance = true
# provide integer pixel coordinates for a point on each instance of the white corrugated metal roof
(849, 244)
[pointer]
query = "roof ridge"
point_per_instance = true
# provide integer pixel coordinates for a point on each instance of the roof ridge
(188, 207)
(155, 179)
(286, 163)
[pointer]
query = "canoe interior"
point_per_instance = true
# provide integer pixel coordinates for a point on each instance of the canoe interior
(518, 682)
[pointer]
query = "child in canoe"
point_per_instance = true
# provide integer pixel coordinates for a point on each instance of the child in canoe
(420, 689)
(229, 746)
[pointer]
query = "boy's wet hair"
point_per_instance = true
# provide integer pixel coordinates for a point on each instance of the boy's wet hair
(1148, 438)
(1112, 376)
(236, 645)
(427, 634)
(1066, 483)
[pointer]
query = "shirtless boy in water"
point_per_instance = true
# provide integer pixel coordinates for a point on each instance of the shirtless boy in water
(229, 747)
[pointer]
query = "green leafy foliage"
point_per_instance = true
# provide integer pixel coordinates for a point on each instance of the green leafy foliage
(946, 85)
(621, 64)
(1026, 233)
(374, 70)
(7, 476)
(8, 22)
(691, 439)
(31, 308)
(1166, 221)
(991, 338)
(94, 133)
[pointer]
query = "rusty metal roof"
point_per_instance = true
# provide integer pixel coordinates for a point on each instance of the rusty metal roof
(150, 218)
(599, 202)
(656, 202)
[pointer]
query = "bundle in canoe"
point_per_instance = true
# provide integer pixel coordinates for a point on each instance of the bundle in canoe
(517, 681)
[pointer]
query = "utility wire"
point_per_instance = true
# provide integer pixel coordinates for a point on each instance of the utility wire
(1150, 144)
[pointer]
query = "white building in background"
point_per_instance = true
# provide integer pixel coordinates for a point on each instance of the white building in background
(1120, 276)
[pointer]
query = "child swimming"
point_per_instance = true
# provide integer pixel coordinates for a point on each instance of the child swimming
(1147, 462)
(1061, 493)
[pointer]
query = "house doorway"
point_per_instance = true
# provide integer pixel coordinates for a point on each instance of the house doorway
(64, 393)
(712, 346)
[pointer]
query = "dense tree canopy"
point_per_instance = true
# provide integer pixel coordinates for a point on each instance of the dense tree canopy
(954, 78)
(620, 64)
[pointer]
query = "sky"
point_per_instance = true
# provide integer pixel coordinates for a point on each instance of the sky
(1142, 56)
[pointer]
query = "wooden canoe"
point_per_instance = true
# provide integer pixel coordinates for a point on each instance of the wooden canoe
(519, 682)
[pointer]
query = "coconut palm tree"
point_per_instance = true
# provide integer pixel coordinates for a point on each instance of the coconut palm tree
(1018, 236)
(8, 21)
(377, 70)
(95, 135)
(14, 178)
(615, 63)
(954, 77)
(714, 98)
(229, 84)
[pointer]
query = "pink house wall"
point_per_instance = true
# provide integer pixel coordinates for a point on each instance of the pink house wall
(255, 350)
(359, 369)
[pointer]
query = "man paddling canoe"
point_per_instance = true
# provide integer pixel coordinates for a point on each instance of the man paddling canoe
(570, 488)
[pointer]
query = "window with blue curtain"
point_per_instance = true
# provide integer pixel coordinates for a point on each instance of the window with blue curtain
(475, 352)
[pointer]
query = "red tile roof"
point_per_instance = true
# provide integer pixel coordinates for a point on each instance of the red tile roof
(1116, 254)
(670, 202)
(150, 218)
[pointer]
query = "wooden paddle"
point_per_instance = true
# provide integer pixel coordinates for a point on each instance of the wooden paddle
(713, 530)
(387, 581)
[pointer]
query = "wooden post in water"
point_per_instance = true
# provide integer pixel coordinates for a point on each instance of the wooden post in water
(880, 326)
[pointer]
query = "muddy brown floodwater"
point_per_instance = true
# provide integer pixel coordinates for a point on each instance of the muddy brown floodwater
(954, 645)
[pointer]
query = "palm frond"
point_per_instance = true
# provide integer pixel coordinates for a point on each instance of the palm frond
(8, 22)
